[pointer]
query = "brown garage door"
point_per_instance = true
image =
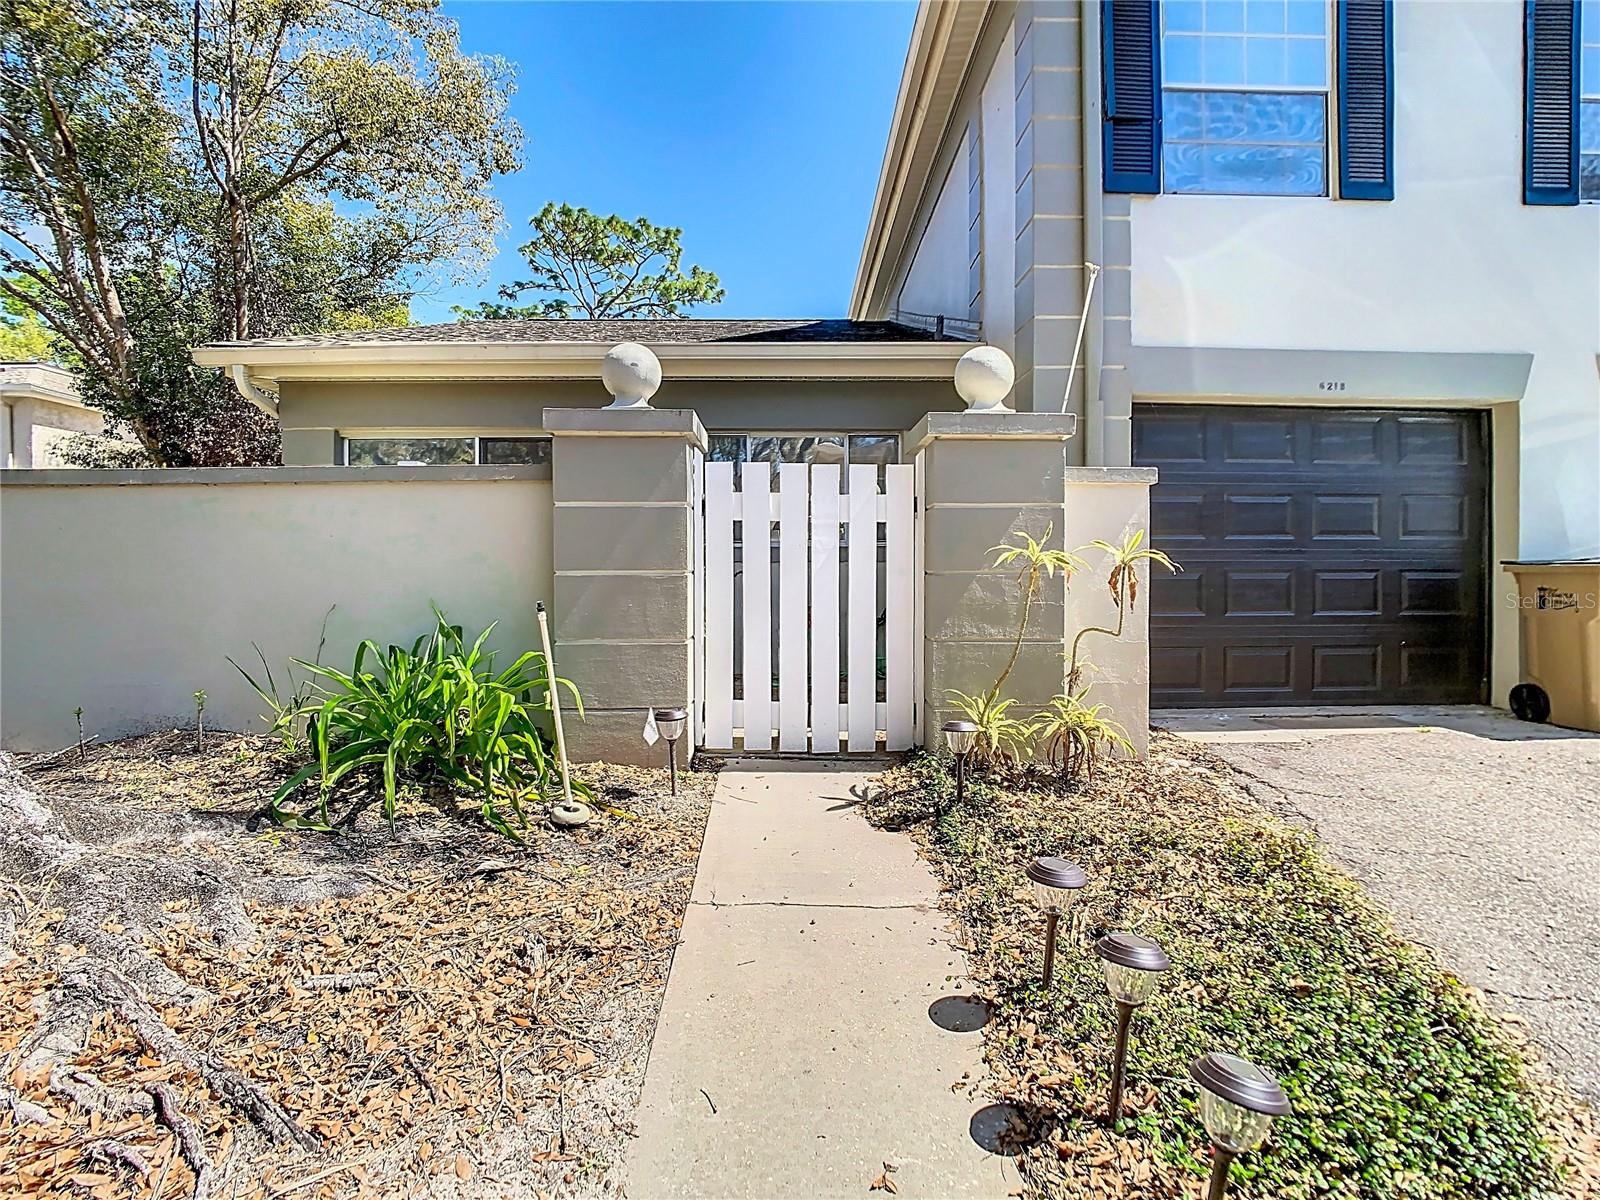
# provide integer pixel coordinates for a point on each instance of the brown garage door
(1330, 556)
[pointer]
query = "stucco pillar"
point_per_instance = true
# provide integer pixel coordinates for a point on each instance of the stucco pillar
(983, 478)
(1049, 210)
(624, 483)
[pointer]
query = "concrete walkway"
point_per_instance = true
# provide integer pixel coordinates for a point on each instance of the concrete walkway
(1482, 833)
(795, 1054)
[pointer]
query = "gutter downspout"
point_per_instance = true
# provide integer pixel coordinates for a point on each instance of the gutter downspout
(265, 401)
(1094, 408)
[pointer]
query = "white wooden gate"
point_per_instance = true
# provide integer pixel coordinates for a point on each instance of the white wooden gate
(793, 643)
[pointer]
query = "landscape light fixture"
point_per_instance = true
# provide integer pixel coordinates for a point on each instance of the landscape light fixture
(670, 723)
(960, 736)
(1238, 1101)
(1055, 883)
(1133, 967)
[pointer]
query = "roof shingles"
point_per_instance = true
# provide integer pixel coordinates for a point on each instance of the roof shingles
(681, 330)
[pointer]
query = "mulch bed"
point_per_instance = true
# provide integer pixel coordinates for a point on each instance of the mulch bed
(1404, 1087)
(442, 1011)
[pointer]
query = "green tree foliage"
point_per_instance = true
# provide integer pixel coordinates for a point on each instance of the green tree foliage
(585, 265)
(23, 336)
(181, 171)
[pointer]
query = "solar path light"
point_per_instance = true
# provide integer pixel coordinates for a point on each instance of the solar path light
(670, 723)
(960, 736)
(1055, 883)
(1133, 967)
(1238, 1101)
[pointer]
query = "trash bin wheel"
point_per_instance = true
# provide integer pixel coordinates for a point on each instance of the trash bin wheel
(1530, 703)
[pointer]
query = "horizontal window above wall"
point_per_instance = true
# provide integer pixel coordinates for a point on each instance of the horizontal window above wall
(845, 450)
(1245, 143)
(422, 451)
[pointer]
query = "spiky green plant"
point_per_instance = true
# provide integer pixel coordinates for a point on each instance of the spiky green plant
(283, 716)
(436, 712)
(1075, 735)
(1123, 581)
(1002, 740)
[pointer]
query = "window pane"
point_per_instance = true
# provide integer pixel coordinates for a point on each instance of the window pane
(763, 449)
(819, 450)
(1182, 16)
(1224, 16)
(1308, 16)
(1264, 62)
(1589, 127)
(1264, 16)
(1222, 60)
(1245, 143)
(1180, 59)
(1307, 62)
(395, 452)
(880, 448)
(522, 452)
(1589, 177)
(727, 447)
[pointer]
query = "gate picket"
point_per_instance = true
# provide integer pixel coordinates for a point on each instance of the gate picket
(811, 647)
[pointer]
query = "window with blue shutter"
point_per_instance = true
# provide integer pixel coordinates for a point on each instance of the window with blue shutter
(1131, 69)
(1551, 104)
(1366, 100)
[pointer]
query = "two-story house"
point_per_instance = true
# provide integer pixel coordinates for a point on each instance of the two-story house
(1348, 302)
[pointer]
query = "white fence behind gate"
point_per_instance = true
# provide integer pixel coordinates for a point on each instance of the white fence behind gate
(813, 653)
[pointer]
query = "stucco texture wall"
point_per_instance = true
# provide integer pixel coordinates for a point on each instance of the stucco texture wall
(125, 597)
(1456, 262)
(316, 414)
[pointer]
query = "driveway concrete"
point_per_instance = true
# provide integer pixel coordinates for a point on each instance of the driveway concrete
(795, 1054)
(1481, 833)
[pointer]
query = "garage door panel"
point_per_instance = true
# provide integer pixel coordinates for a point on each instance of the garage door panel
(1353, 572)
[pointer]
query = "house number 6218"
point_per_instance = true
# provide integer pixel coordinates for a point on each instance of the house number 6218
(1331, 385)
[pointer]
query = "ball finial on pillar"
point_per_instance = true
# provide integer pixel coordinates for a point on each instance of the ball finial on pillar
(984, 377)
(631, 373)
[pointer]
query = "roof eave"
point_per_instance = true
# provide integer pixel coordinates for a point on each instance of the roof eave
(272, 364)
(943, 41)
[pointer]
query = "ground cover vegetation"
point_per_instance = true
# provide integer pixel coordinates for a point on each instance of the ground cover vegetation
(1403, 1087)
(409, 1006)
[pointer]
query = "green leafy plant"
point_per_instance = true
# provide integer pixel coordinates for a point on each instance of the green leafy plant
(1002, 740)
(283, 716)
(436, 713)
(200, 719)
(1123, 580)
(1076, 735)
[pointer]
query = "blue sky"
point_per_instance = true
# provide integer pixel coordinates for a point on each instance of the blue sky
(756, 127)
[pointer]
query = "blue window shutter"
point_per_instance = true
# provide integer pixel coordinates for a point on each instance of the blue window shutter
(1366, 99)
(1130, 33)
(1550, 103)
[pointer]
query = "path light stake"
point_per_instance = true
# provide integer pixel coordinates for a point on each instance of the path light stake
(1238, 1101)
(960, 737)
(1055, 883)
(670, 723)
(555, 703)
(1133, 967)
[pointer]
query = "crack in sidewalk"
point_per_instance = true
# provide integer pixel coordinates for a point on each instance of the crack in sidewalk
(715, 903)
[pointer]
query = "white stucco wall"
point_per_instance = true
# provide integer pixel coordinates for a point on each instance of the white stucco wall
(938, 281)
(999, 198)
(1455, 262)
(125, 591)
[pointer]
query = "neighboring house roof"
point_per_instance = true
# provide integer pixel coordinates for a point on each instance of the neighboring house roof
(39, 381)
(674, 331)
(689, 348)
(943, 41)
